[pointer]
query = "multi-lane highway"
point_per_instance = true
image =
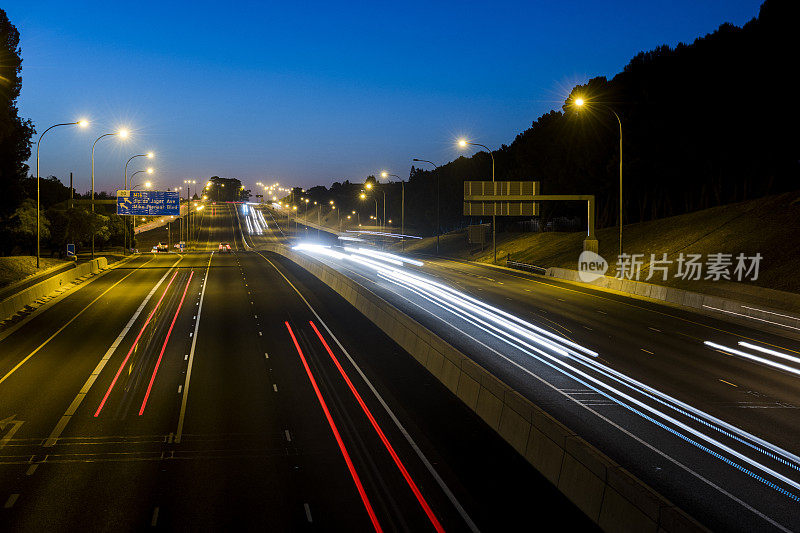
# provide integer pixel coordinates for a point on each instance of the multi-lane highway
(704, 410)
(232, 390)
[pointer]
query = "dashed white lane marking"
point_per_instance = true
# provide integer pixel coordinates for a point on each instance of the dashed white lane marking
(190, 334)
(259, 334)
(288, 435)
(185, 396)
(62, 423)
(186, 357)
(266, 355)
(648, 351)
(602, 312)
(154, 521)
(654, 329)
(274, 387)
(11, 501)
(32, 469)
(255, 316)
(308, 512)
(180, 388)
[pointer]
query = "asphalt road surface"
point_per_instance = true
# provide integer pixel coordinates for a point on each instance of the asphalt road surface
(703, 408)
(232, 390)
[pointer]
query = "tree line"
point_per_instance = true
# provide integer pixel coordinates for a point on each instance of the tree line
(704, 124)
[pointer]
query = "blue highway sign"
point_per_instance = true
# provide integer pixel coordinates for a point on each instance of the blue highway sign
(148, 203)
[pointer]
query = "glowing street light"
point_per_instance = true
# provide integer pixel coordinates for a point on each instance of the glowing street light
(579, 103)
(82, 124)
(463, 143)
(438, 226)
(148, 155)
(122, 134)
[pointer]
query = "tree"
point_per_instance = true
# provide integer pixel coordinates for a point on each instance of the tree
(15, 133)
(21, 228)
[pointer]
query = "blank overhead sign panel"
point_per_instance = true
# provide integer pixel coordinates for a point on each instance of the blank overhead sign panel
(148, 203)
(500, 198)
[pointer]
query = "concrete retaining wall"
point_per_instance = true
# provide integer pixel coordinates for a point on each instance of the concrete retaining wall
(11, 305)
(609, 495)
(685, 298)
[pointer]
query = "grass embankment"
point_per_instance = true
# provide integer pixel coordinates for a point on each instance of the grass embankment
(769, 226)
(18, 267)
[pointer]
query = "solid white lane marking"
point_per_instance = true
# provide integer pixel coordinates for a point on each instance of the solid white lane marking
(11, 501)
(76, 402)
(62, 328)
(182, 415)
(439, 481)
(751, 317)
(607, 420)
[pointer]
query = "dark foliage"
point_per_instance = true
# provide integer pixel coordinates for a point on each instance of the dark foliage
(704, 124)
(15, 133)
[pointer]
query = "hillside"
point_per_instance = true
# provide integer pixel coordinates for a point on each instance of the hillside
(768, 225)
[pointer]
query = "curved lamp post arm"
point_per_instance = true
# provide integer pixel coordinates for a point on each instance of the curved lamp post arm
(126, 166)
(37, 181)
(438, 225)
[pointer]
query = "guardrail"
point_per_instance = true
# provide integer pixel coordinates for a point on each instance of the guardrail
(526, 267)
(13, 304)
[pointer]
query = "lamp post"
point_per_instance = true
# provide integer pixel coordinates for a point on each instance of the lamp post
(580, 102)
(363, 196)
(147, 185)
(82, 124)
(463, 143)
(123, 134)
(438, 225)
(189, 184)
(385, 174)
(148, 155)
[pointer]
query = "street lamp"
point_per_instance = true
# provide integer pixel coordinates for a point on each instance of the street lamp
(363, 196)
(189, 184)
(385, 174)
(438, 225)
(579, 102)
(463, 143)
(122, 135)
(148, 155)
(82, 124)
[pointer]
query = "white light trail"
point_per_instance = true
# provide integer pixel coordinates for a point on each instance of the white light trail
(761, 349)
(380, 255)
(542, 344)
(757, 359)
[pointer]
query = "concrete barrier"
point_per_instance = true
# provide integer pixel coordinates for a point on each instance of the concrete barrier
(13, 304)
(608, 494)
(728, 307)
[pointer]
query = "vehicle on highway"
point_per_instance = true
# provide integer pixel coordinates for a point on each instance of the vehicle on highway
(161, 247)
(224, 247)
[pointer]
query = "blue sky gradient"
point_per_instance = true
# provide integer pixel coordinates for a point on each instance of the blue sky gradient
(311, 93)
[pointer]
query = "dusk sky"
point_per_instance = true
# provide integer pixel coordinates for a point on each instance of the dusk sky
(311, 93)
